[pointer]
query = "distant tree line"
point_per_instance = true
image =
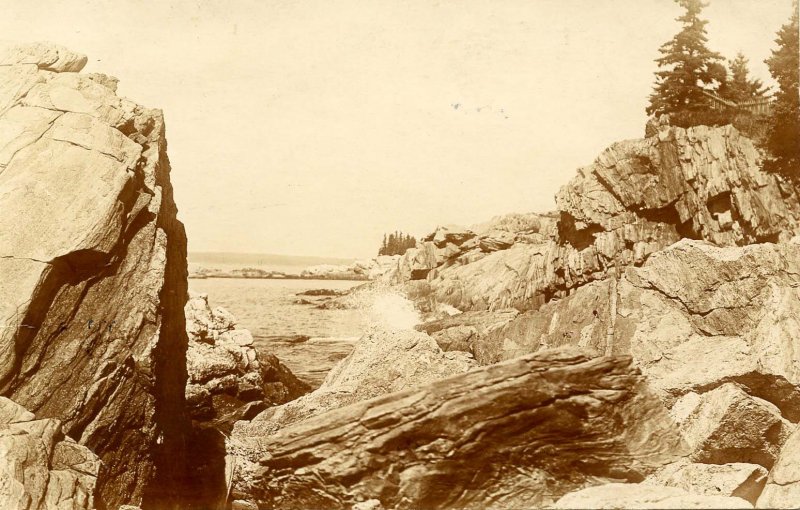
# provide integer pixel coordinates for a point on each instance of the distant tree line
(396, 244)
(689, 71)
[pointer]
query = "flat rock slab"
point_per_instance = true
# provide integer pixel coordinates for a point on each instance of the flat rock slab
(620, 496)
(739, 479)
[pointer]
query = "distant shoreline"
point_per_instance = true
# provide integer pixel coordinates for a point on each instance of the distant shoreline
(262, 259)
(353, 278)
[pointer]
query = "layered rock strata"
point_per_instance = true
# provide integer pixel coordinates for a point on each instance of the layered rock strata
(557, 421)
(383, 361)
(637, 198)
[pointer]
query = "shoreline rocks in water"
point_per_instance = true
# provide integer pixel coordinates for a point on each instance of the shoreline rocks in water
(710, 326)
(227, 379)
(636, 348)
(262, 274)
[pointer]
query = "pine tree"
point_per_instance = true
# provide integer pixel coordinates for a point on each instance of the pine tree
(688, 66)
(783, 140)
(739, 87)
(397, 243)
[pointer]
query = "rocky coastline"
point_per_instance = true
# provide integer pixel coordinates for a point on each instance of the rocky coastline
(359, 270)
(636, 348)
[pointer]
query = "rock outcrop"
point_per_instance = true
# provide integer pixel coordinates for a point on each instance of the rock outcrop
(227, 380)
(739, 480)
(783, 485)
(40, 467)
(384, 361)
(622, 496)
(639, 197)
(94, 271)
(458, 332)
(711, 320)
(694, 317)
(369, 269)
(556, 420)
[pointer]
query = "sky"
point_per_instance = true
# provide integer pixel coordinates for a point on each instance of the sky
(311, 127)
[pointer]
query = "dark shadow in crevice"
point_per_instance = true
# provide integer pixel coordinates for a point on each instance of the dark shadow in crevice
(578, 238)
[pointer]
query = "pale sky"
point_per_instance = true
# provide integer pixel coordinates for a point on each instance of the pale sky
(310, 127)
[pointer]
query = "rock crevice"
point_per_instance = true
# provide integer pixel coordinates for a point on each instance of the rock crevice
(94, 274)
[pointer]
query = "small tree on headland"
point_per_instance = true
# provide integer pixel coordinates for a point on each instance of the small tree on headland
(783, 139)
(687, 66)
(396, 244)
(739, 87)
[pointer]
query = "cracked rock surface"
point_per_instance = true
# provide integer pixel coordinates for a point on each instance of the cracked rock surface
(557, 420)
(694, 316)
(40, 467)
(227, 380)
(382, 362)
(94, 270)
(637, 198)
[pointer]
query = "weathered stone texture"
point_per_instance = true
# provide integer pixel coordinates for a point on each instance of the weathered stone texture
(41, 468)
(228, 380)
(94, 270)
(637, 198)
(557, 421)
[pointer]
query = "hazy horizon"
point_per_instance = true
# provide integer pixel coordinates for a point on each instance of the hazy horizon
(312, 128)
(227, 257)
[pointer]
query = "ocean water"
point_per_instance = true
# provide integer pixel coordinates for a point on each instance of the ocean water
(268, 309)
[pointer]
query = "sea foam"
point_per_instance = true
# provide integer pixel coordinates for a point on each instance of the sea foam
(385, 308)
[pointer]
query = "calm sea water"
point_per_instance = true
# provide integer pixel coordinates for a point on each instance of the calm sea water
(267, 308)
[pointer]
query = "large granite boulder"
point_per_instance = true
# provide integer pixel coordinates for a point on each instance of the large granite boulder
(383, 361)
(513, 435)
(94, 271)
(40, 467)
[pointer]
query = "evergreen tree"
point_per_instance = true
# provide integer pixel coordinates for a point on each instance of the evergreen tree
(687, 66)
(384, 246)
(783, 139)
(396, 243)
(739, 87)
